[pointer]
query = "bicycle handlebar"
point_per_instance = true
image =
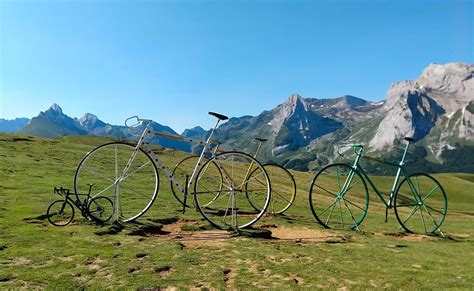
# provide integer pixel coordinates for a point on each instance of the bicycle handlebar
(138, 121)
(355, 146)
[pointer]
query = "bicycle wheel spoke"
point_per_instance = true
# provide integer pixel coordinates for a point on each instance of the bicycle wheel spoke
(430, 193)
(330, 213)
(251, 179)
(355, 205)
(411, 213)
(350, 212)
(136, 171)
(134, 191)
(423, 219)
(98, 173)
(103, 190)
(352, 186)
(326, 209)
(340, 211)
(431, 216)
(435, 210)
(326, 190)
(276, 193)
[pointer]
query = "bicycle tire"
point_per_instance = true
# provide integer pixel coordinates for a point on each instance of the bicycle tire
(231, 201)
(100, 209)
(65, 208)
(323, 192)
(136, 196)
(283, 189)
(409, 199)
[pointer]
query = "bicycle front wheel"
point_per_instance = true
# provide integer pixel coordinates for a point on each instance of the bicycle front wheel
(132, 193)
(60, 213)
(225, 204)
(420, 204)
(339, 197)
(283, 189)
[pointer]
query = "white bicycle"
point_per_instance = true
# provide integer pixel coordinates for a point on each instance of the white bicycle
(128, 175)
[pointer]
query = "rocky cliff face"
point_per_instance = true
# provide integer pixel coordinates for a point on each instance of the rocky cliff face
(414, 108)
(91, 122)
(295, 125)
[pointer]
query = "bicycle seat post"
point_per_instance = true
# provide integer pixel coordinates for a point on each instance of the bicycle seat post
(409, 140)
(260, 143)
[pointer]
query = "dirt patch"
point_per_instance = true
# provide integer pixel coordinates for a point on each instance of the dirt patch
(93, 264)
(192, 234)
(304, 234)
(20, 261)
(405, 236)
(66, 258)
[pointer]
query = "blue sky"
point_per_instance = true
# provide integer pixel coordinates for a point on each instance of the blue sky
(173, 61)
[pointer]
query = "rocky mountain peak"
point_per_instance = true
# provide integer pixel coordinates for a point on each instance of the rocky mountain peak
(195, 132)
(55, 108)
(90, 121)
(88, 117)
(450, 85)
(295, 101)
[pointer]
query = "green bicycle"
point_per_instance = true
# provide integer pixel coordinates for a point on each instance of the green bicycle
(339, 196)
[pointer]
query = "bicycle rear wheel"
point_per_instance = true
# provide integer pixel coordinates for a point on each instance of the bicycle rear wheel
(225, 204)
(339, 197)
(133, 194)
(420, 204)
(100, 209)
(283, 189)
(186, 167)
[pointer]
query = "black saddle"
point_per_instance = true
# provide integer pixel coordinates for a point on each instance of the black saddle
(409, 139)
(219, 116)
(261, 139)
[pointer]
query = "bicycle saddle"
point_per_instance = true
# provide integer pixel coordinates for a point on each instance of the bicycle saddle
(219, 116)
(409, 139)
(261, 139)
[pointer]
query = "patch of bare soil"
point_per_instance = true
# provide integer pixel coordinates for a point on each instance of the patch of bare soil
(304, 234)
(405, 236)
(194, 238)
(20, 261)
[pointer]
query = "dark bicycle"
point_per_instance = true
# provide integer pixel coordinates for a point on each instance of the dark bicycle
(61, 212)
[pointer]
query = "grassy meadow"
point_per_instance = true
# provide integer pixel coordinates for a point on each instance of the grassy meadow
(168, 249)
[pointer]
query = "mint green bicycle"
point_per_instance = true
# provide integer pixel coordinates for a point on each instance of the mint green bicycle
(339, 196)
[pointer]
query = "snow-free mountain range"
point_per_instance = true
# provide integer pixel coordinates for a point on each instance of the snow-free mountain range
(437, 110)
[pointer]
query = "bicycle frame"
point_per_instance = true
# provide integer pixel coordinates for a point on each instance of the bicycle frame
(400, 171)
(79, 204)
(148, 133)
(358, 149)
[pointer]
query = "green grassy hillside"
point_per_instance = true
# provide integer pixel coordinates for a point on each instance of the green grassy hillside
(165, 248)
